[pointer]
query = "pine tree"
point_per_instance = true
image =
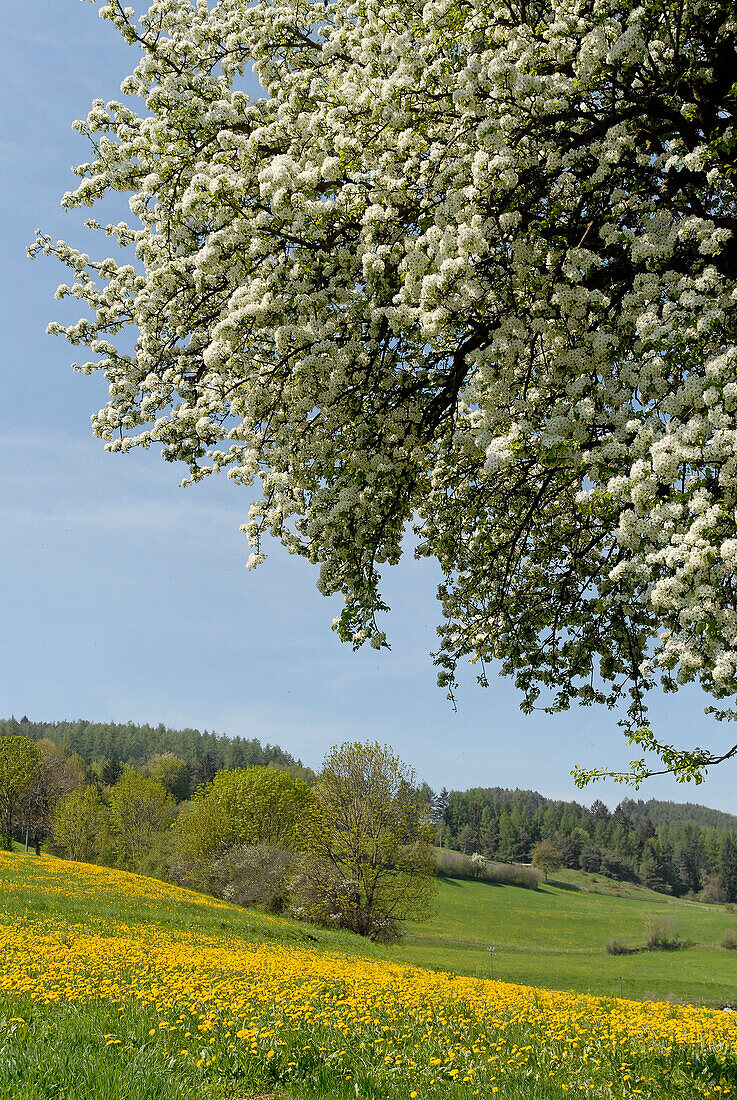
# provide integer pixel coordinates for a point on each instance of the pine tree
(507, 837)
(728, 868)
(206, 769)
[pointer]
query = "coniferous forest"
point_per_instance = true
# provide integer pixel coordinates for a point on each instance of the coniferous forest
(106, 746)
(675, 848)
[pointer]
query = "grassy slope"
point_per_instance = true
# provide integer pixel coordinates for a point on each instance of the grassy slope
(61, 1050)
(29, 891)
(556, 937)
(64, 1050)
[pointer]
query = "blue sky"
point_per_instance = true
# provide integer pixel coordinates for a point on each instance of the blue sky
(125, 597)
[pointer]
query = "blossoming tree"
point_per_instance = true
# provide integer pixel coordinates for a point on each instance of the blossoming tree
(467, 265)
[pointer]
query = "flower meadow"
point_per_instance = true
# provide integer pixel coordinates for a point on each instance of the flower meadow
(243, 1004)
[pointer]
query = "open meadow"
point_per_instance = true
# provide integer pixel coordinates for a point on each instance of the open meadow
(113, 985)
(556, 937)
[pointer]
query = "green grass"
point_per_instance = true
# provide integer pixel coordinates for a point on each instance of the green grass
(592, 883)
(556, 937)
(21, 897)
(107, 1050)
(61, 1052)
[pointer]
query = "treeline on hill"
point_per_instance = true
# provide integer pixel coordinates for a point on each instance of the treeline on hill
(352, 850)
(106, 746)
(131, 795)
(677, 849)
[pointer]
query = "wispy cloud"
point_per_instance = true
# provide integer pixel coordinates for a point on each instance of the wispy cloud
(112, 516)
(67, 481)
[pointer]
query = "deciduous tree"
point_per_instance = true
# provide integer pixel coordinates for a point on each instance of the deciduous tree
(368, 863)
(466, 264)
(19, 763)
(139, 808)
(257, 805)
(55, 776)
(546, 857)
(171, 771)
(79, 824)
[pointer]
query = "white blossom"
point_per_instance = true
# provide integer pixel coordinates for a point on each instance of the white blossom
(453, 266)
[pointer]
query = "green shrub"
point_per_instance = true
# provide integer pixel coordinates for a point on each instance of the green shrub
(729, 939)
(455, 865)
(615, 946)
(255, 875)
(661, 934)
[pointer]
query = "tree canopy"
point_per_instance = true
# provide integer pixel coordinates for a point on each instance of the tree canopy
(546, 857)
(244, 806)
(104, 745)
(139, 808)
(172, 772)
(468, 266)
(80, 824)
(19, 764)
(367, 861)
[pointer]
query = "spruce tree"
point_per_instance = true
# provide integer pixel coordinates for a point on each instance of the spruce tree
(728, 868)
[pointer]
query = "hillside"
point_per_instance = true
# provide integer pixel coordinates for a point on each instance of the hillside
(676, 849)
(134, 743)
(679, 849)
(654, 810)
(556, 937)
(113, 985)
(127, 742)
(660, 812)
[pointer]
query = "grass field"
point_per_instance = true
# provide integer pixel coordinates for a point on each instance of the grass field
(556, 937)
(114, 986)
